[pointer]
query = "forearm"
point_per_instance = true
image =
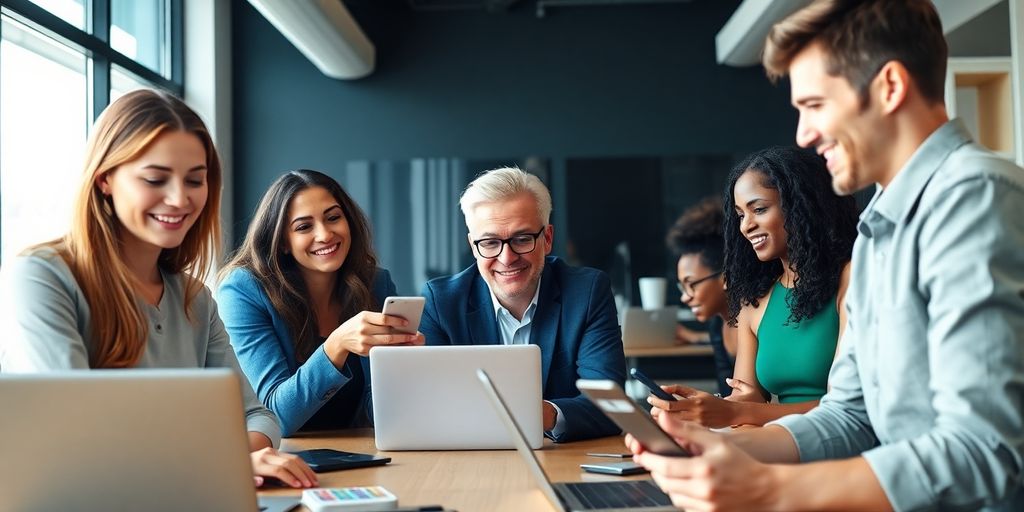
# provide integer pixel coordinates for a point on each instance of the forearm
(771, 444)
(827, 485)
(258, 441)
(750, 413)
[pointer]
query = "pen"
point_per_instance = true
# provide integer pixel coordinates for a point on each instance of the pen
(611, 455)
(437, 508)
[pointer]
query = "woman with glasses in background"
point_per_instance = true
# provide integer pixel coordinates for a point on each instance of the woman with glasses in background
(697, 238)
(299, 300)
(788, 242)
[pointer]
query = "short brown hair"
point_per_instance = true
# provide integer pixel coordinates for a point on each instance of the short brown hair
(860, 36)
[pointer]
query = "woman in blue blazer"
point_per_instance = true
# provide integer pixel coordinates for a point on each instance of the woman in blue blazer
(298, 300)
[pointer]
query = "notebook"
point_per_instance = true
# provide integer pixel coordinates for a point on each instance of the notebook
(105, 440)
(427, 398)
(634, 495)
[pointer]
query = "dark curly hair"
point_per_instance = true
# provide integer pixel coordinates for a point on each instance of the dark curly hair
(820, 230)
(699, 231)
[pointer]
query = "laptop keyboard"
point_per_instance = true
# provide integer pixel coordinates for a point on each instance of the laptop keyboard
(633, 493)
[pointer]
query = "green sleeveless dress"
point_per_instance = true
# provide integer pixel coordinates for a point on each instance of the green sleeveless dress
(793, 360)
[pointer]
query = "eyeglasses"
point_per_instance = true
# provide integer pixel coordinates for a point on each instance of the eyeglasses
(688, 288)
(491, 248)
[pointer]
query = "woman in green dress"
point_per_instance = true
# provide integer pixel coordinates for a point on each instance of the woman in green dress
(788, 240)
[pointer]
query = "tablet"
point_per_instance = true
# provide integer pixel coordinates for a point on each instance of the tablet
(321, 460)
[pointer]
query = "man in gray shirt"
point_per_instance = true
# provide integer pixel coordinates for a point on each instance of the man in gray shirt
(926, 394)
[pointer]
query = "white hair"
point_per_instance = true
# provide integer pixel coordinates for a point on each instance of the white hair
(502, 184)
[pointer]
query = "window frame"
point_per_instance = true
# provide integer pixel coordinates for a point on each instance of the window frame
(96, 46)
(101, 56)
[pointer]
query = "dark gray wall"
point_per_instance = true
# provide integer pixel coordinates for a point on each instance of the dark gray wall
(988, 35)
(612, 81)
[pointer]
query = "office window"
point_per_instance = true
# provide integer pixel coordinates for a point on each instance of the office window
(42, 91)
(61, 63)
(139, 30)
(71, 11)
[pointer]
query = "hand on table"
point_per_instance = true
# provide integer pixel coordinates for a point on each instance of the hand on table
(286, 467)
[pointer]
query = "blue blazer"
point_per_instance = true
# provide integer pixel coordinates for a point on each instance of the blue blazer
(575, 326)
(266, 352)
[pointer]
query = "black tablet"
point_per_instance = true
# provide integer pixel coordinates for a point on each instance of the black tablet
(321, 460)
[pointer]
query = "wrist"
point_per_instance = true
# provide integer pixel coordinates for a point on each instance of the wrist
(778, 495)
(741, 413)
(335, 351)
(550, 416)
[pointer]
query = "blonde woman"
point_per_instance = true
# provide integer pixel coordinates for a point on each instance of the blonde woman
(123, 288)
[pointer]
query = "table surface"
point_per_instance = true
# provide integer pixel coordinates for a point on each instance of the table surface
(466, 481)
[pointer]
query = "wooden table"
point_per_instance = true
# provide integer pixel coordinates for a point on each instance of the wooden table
(467, 481)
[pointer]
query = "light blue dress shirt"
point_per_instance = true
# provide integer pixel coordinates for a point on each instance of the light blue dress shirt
(929, 383)
(517, 332)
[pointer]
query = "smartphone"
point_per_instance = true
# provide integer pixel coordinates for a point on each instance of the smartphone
(409, 308)
(321, 460)
(655, 389)
(614, 468)
(621, 409)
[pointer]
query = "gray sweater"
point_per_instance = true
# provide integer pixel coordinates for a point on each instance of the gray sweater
(45, 321)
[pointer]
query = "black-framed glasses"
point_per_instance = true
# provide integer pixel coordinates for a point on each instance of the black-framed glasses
(688, 288)
(524, 243)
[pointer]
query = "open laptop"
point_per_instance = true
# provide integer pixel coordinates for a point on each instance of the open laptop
(608, 496)
(427, 398)
(649, 328)
(107, 440)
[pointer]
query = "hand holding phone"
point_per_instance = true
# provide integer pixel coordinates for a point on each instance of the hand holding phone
(409, 308)
(650, 384)
(621, 409)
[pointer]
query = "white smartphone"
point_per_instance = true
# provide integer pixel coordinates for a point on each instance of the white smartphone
(409, 308)
(621, 409)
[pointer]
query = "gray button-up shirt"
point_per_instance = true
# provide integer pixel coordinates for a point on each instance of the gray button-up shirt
(929, 383)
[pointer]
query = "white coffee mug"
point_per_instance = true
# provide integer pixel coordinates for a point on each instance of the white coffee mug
(652, 292)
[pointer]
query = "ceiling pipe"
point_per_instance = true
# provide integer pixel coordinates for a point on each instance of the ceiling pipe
(323, 31)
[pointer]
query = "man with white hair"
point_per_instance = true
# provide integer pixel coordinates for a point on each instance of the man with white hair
(517, 294)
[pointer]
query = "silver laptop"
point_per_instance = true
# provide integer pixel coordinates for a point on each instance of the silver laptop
(111, 440)
(640, 495)
(427, 398)
(649, 328)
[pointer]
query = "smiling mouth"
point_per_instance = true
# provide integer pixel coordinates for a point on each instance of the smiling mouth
(327, 250)
(510, 273)
(168, 219)
(758, 241)
(828, 153)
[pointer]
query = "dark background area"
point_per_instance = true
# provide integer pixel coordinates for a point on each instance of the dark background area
(621, 109)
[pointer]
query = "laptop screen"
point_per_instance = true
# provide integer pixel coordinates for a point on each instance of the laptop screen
(522, 446)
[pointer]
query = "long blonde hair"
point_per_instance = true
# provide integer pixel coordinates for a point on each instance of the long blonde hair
(92, 248)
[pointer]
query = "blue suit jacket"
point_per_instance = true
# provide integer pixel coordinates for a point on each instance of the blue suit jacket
(575, 326)
(266, 352)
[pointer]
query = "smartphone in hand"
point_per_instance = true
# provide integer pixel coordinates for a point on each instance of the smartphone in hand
(621, 409)
(655, 389)
(409, 308)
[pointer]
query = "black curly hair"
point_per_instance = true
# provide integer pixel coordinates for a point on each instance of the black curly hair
(820, 230)
(699, 231)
